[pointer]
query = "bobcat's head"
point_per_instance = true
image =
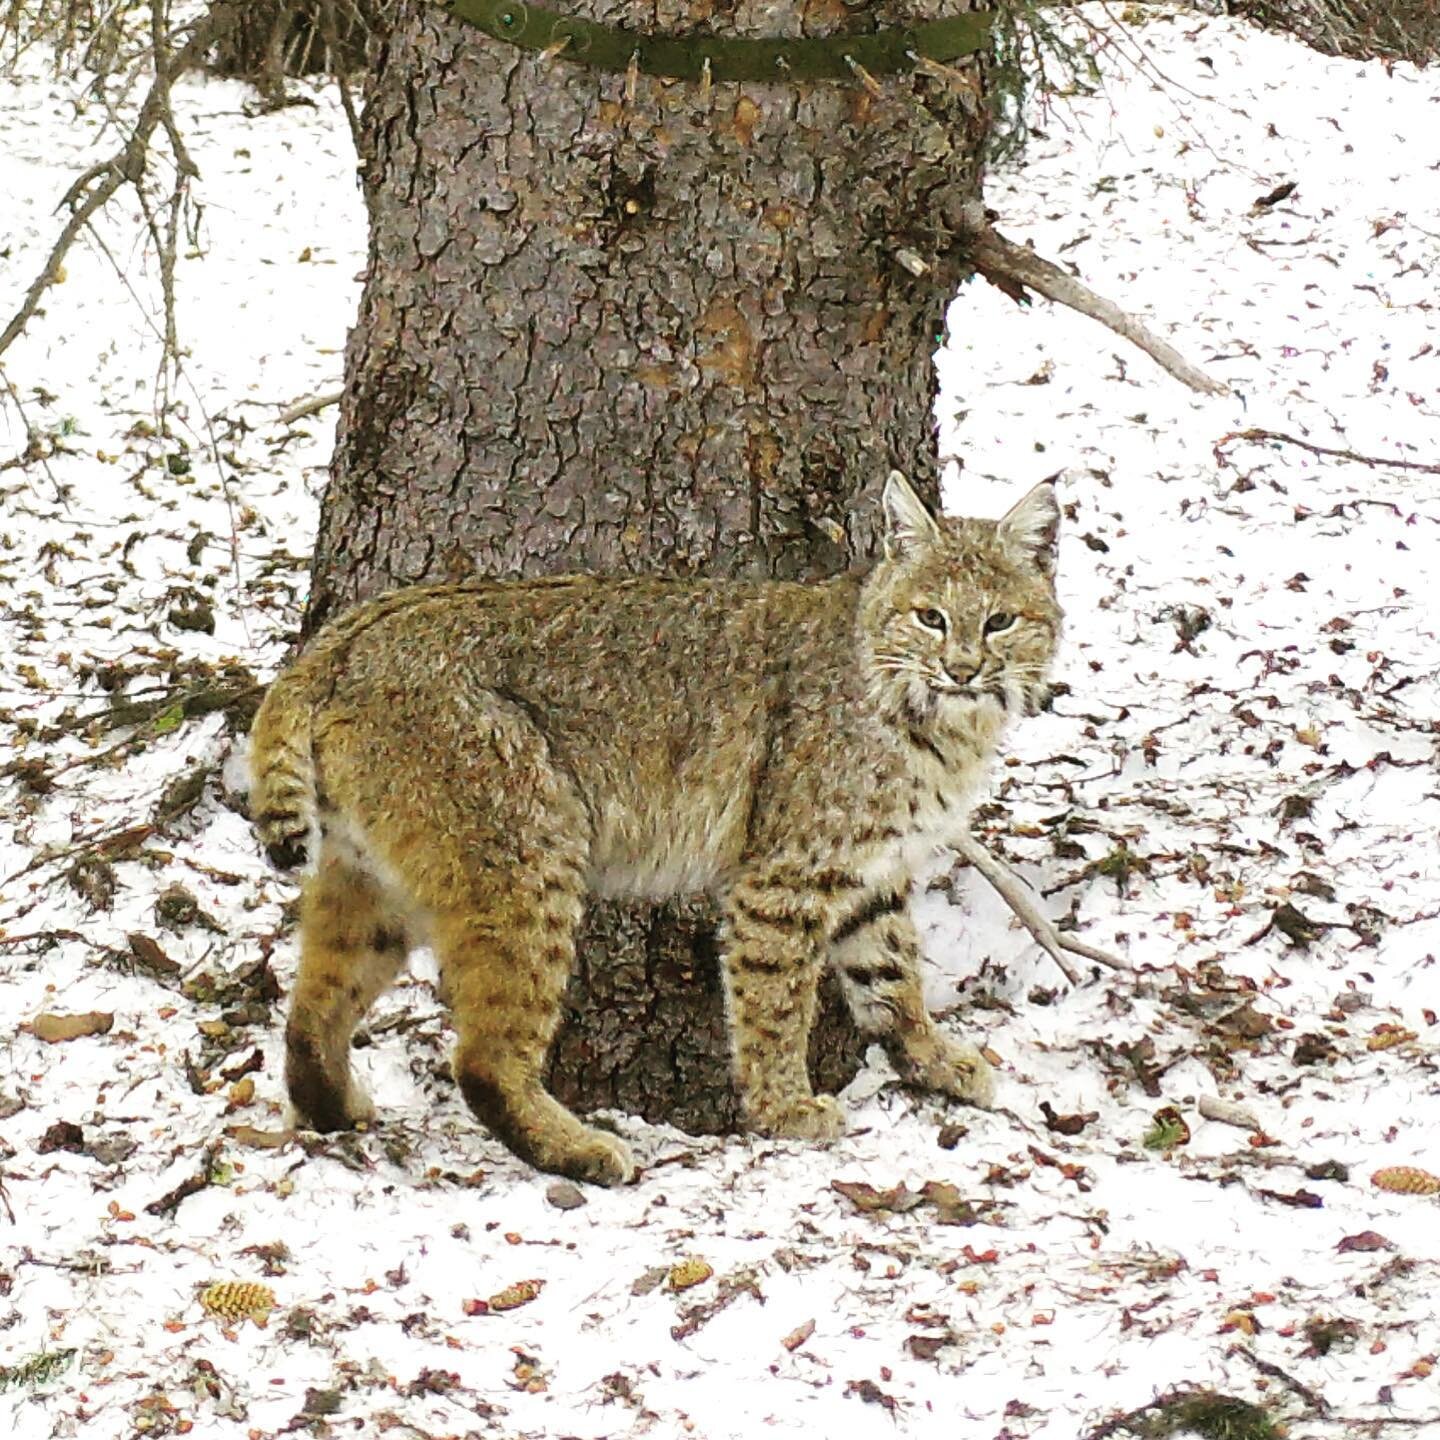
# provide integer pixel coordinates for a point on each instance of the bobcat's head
(962, 613)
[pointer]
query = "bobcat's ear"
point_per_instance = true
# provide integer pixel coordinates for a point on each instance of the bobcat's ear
(909, 526)
(1032, 525)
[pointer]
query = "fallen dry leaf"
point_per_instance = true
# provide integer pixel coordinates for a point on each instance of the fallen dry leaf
(868, 1200)
(950, 1135)
(645, 1283)
(927, 1347)
(1066, 1124)
(522, 1292)
(151, 958)
(53, 1028)
(689, 1273)
(1364, 1242)
(872, 1394)
(1387, 1036)
(799, 1335)
(62, 1135)
(254, 1139)
(1243, 1024)
(951, 1208)
(1298, 1199)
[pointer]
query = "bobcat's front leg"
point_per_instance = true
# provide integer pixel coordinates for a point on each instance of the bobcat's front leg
(773, 940)
(875, 950)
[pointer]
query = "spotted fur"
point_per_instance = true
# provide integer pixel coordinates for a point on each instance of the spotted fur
(465, 764)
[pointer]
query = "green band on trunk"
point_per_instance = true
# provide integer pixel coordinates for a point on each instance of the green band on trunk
(700, 55)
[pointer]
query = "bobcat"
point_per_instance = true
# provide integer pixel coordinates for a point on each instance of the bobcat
(466, 763)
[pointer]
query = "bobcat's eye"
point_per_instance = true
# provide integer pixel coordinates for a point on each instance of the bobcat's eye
(931, 620)
(998, 622)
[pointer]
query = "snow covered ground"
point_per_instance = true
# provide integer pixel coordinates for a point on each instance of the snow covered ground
(1239, 794)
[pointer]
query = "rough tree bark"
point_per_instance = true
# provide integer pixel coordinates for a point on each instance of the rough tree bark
(625, 324)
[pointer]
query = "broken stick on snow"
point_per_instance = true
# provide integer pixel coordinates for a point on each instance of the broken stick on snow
(1012, 890)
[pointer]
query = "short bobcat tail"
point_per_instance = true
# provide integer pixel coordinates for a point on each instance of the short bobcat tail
(282, 770)
(284, 801)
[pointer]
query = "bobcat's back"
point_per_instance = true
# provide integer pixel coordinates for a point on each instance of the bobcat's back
(659, 700)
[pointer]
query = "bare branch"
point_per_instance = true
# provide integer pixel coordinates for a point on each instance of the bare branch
(302, 408)
(1011, 889)
(1375, 462)
(126, 165)
(50, 271)
(1014, 268)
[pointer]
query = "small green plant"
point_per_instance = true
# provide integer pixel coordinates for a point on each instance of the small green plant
(1168, 1131)
(1218, 1417)
(38, 1370)
(1205, 1413)
(1119, 865)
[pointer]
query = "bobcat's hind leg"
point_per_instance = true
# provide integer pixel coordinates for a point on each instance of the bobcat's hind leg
(772, 946)
(875, 950)
(506, 960)
(500, 873)
(352, 945)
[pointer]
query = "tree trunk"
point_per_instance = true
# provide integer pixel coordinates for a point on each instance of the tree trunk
(659, 331)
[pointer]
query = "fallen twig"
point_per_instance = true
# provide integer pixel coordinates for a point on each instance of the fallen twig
(1011, 889)
(169, 1203)
(1375, 462)
(109, 843)
(1374, 1424)
(1317, 1402)
(729, 1289)
(302, 408)
(1012, 268)
(47, 937)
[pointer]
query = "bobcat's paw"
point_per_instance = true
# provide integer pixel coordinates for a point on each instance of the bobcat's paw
(949, 1067)
(600, 1159)
(360, 1106)
(355, 1110)
(816, 1117)
(965, 1074)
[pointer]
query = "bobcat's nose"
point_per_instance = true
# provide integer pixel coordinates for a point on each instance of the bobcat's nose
(962, 671)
